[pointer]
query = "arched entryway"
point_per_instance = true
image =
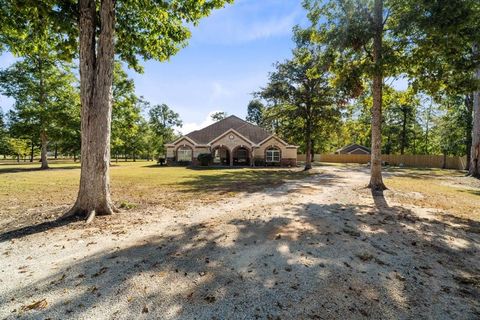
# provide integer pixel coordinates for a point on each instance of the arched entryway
(221, 156)
(241, 156)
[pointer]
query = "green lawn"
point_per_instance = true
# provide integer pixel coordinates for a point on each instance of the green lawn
(447, 190)
(24, 188)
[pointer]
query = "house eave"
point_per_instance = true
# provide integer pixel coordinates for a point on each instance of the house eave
(234, 131)
(270, 137)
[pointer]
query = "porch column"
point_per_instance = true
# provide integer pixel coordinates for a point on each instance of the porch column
(231, 157)
(252, 162)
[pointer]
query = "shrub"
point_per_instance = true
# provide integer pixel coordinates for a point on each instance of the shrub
(205, 159)
(259, 162)
(161, 161)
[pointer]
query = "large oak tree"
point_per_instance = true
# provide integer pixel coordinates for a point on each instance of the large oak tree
(300, 92)
(362, 33)
(101, 29)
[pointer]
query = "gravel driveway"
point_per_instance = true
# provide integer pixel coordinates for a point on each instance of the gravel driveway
(319, 248)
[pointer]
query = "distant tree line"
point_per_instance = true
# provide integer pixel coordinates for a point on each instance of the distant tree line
(45, 116)
(338, 86)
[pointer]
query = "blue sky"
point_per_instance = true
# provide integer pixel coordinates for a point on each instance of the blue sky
(228, 57)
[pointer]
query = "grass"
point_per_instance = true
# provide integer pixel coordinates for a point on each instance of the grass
(447, 190)
(27, 191)
(24, 188)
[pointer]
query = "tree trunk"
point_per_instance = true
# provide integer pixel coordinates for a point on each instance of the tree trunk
(404, 132)
(96, 74)
(75, 157)
(427, 130)
(468, 127)
(376, 181)
(43, 156)
(56, 151)
(474, 169)
(31, 151)
(312, 146)
(308, 138)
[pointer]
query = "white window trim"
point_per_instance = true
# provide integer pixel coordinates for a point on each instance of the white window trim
(184, 152)
(275, 153)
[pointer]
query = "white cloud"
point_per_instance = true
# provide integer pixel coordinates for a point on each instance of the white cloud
(249, 20)
(276, 26)
(192, 126)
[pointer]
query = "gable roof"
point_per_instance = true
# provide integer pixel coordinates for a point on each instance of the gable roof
(250, 131)
(351, 147)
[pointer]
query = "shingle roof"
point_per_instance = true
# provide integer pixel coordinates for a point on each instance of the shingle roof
(250, 131)
(352, 147)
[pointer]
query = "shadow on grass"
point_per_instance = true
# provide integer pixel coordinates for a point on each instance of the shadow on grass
(248, 180)
(156, 165)
(5, 169)
(422, 173)
(215, 184)
(316, 262)
(470, 191)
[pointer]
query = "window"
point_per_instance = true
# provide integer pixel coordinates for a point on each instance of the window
(184, 154)
(272, 155)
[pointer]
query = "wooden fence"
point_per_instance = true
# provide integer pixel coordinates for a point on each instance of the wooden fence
(417, 160)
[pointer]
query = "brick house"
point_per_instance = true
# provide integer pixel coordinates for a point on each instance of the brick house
(232, 142)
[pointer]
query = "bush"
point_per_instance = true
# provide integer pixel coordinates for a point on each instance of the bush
(205, 159)
(259, 162)
(161, 161)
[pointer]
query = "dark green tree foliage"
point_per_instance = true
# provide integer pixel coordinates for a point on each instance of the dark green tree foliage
(220, 115)
(45, 96)
(126, 114)
(400, 119)
(163, 122)
(443, 56)
(440, 36)
(255, 112)
(452, 129)
(299, 94)
(3, 135)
